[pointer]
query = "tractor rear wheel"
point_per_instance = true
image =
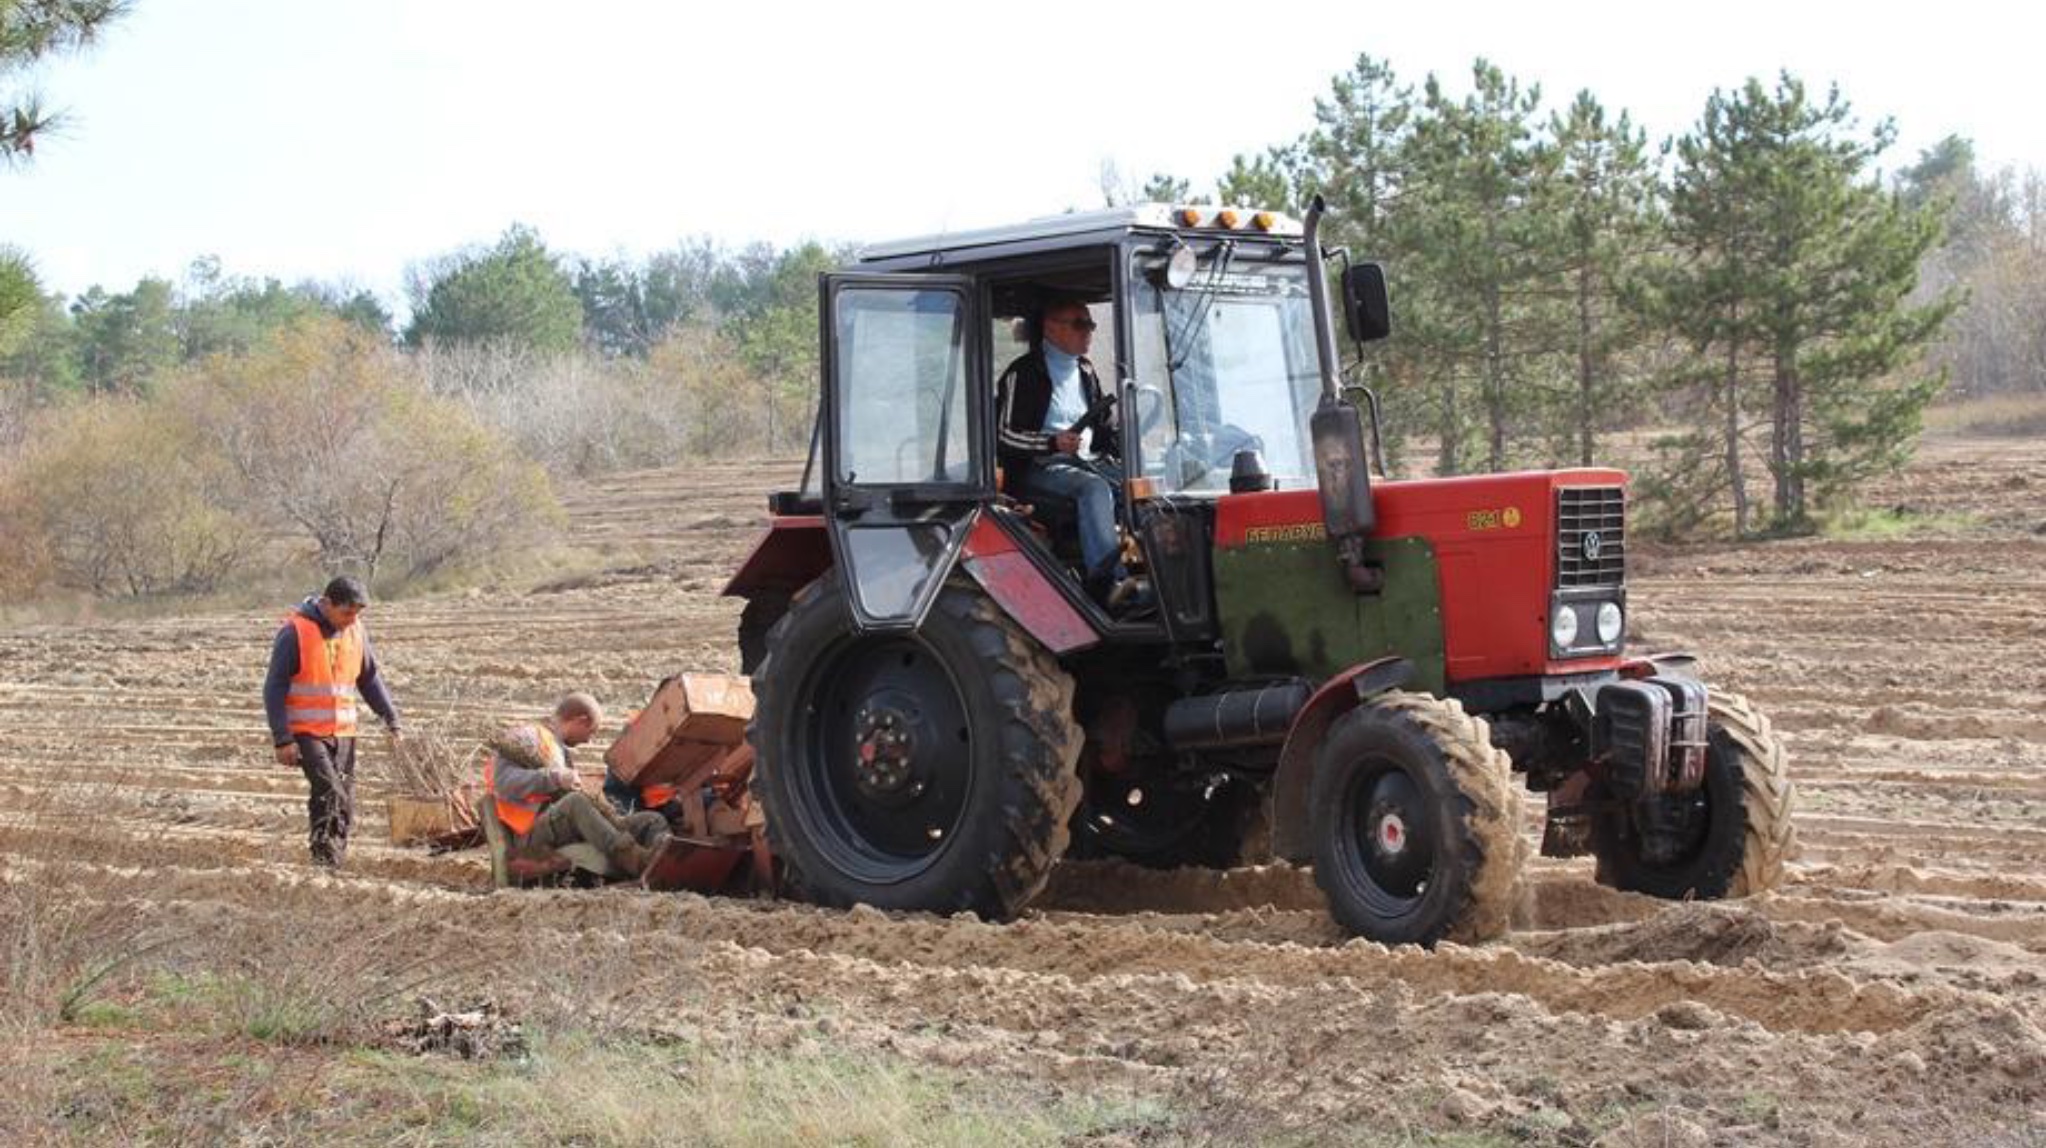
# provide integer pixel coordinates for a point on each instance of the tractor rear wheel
(1728, 839)
(756, 621)
(1415, 822)
(932, 770)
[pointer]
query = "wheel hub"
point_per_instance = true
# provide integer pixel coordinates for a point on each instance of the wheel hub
(1391, 833)
(890, 740)
(884, 750)
(1398, 852)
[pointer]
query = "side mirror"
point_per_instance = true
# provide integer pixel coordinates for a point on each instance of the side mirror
(1366, 309)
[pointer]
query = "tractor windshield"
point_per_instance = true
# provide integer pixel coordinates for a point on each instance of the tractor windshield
(1224, 364)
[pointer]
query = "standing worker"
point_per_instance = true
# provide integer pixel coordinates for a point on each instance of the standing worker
(321, 668)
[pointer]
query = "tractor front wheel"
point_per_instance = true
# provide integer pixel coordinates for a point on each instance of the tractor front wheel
(1728, 839)
(932, 770)
(1415, 822)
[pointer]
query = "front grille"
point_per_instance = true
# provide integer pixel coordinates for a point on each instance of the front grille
(1591, 536)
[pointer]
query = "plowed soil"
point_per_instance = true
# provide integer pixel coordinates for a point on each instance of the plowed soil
(1893, 991)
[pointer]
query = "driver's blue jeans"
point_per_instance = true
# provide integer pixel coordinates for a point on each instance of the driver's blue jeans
(1086, 483)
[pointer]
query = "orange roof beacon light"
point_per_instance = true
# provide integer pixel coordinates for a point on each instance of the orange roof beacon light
(1227, 218)
(1188, 216)
(1263, 220)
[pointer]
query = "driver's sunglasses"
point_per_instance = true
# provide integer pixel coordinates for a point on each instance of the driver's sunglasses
(1083, 323)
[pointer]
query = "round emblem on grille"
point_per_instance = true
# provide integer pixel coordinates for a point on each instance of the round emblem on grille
(1592, 545)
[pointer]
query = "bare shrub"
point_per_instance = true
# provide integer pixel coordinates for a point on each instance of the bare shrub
(718, 394)
(578, 414)
(574, 414)
(120, 501)
(25, 559)
(331, 432)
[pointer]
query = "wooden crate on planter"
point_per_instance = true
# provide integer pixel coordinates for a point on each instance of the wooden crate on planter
(692, 720)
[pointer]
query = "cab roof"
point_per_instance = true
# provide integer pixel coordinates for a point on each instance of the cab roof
(1085, 227)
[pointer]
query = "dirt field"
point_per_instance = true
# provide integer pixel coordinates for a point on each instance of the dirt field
(1893, 992)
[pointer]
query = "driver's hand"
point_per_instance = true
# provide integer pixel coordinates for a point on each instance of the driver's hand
(1067, 442)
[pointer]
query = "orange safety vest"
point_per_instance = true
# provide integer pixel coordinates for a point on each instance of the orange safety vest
(321, 700)
(519, 814)
(655, 796)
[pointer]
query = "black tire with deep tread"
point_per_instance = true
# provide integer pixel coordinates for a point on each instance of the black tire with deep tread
(1747, 774)
(1024, 750)
(756, 621)
(1468, 796)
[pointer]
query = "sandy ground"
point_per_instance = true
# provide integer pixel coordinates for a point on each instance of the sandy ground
(1893, 991)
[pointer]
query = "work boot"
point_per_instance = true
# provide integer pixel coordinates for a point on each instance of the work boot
(1131, 599)
(630, 856)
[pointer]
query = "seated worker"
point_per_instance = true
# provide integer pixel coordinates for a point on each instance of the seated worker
(1038, 400)
(539, 798)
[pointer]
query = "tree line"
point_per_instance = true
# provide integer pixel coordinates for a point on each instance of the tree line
(514, 298)
(190, 437)
(1758, 287)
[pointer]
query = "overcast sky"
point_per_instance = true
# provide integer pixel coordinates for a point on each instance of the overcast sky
(342, 140)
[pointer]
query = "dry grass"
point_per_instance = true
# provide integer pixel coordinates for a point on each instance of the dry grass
(174, 1089)
(1999, 416)
(150, 995)
(64, 930)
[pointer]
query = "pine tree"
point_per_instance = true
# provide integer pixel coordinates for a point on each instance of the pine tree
(1356, 154)
(1598, 190)
(515, 292)
(1795, 273)
(30, 32)
(1471, 242)
(1271, 180)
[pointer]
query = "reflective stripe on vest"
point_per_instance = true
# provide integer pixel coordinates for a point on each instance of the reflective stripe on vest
(519, 813)
(655, 796)
(321, 700)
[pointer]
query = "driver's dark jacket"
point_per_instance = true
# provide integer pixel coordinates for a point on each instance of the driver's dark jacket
(1023, 395)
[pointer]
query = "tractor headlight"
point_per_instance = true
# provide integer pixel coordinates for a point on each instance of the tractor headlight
(1610, 622)
(1563, 626)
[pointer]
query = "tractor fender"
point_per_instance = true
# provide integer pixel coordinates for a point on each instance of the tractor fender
(790, 556)
(796, 551)
(1023, 590)
(1292, 821)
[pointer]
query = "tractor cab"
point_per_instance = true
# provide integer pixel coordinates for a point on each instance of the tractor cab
(1209, 357)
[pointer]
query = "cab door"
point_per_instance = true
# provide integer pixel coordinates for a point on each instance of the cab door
(906, 456)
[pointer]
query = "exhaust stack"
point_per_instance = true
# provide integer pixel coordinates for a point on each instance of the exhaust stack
(1341, 467)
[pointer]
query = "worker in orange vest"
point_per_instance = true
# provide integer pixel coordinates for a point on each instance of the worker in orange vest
(539, 798)
(322, 671)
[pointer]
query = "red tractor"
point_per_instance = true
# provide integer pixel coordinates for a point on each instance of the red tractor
(1337, 669)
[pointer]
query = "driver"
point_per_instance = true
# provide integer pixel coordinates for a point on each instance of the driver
(1042, 398)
